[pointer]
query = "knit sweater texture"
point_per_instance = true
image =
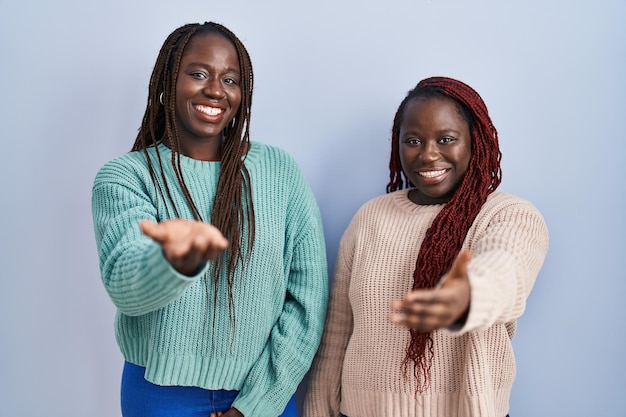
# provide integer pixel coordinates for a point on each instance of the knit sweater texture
(168, 322)
(357, 369)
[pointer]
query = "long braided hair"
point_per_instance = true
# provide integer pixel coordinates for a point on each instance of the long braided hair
(233, 198)
(444, 238)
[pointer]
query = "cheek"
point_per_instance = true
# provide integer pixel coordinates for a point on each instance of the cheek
(235, 99)
(463, 155)
(402, 156)
(182, 92)
(406, 161)
(467, 157)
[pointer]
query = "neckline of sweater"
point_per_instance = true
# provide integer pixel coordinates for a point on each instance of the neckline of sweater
(197, 165)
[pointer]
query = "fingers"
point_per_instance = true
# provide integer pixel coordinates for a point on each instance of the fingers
(418, 312)
(186, 243)
(430, 309)
(233, 412)
(202, 242)
(211, 242)
(186, 234)
(151, 230)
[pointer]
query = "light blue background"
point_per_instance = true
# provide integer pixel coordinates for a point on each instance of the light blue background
(329, 77)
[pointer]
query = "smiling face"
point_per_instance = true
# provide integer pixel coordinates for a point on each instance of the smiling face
(435, 148)
(208, 94)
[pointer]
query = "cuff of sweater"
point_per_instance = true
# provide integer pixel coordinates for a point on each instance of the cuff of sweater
(156, 261)
(493, 287)
(163, 283)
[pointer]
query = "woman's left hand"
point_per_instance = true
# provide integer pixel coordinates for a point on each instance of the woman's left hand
(435, 308)
(233, 412)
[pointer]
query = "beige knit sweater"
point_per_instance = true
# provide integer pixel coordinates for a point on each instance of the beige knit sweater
(357, 369)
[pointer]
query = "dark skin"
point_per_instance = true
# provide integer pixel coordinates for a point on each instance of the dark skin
(208, 95)
(440, 307)
(187, 244)
(207, 98)
(233, 412)
(435, 150)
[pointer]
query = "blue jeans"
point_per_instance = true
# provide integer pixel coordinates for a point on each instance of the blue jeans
(141, 398)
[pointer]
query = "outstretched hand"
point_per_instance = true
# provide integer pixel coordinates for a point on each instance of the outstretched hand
(434, 308)
(187, 244)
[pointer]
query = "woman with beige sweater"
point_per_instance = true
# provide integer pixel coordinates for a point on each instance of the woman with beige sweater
(430, 277)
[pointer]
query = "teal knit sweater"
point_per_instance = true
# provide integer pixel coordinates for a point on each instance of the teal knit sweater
(168, 322)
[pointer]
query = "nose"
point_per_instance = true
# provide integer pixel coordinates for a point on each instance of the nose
(214, 89)
(430, 152)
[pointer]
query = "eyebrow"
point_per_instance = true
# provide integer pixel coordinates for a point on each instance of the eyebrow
(439, 132)
(450, 130)
(203, 65)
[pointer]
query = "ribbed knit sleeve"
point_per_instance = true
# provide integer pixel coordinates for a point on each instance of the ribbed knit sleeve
(324, 390)
(509, 242)
(296, 334)
(134, 270)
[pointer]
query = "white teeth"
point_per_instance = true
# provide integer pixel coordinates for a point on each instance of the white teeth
(432, 174)
(211, 111)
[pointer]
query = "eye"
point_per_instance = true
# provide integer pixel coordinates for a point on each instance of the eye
(199, 75)
(447, 139)
(412, 141)
(230, 81)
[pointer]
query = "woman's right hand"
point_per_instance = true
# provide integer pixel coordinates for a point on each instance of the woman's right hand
(446, 305)
(187, 244)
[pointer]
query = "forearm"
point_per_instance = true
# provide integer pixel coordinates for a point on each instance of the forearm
(507, 258)
(140, 280)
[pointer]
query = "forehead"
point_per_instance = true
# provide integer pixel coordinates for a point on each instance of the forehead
(434, 109)
(208, 46)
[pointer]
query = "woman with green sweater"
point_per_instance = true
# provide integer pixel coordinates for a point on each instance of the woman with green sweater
(211, 246)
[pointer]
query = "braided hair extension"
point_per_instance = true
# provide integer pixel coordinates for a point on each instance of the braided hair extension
(233, 209)
(445, 236)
